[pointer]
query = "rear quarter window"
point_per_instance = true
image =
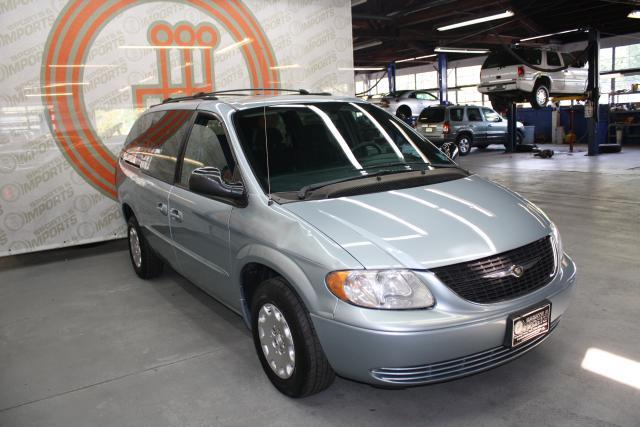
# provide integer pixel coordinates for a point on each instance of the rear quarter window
(154, 142)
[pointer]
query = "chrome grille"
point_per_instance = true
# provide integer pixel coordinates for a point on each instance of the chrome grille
(476, 280)
(456, 368)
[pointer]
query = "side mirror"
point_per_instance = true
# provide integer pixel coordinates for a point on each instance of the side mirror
(450, 149)
(208, 182)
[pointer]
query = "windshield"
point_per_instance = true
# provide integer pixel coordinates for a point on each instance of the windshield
(326, 141)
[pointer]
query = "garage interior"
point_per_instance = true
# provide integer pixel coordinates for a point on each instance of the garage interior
(84, 341)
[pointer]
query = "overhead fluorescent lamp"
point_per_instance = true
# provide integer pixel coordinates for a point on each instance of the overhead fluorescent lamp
(366, 45)
(49, 94)
(611, 76)
(416, 58)
(234, 45)
(549, 35)
(361, 69)
(144, 46)
(635, 14)
(284, 67)
(458, 50)
(505, 14)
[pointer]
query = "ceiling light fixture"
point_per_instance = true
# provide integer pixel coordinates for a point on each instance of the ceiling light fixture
(361, 69)
(416, 58)
(367, 44)
(459, 50)
(505, 14)
(635, 14)
(549, 35)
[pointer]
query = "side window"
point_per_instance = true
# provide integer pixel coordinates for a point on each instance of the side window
(207, 146)
(553, 60)
(456, 114)
(155, 141)
(473, 115)
(568, 59)
(490, 115)
(425, 95)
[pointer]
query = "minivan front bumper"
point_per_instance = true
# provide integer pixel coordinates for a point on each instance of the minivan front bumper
(397, 358)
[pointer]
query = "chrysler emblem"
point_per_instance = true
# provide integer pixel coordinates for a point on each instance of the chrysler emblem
(515, 270)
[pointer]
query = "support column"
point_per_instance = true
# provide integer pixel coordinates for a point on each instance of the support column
(391, 76)
(442, 78)
(512, 126)
(593, 91)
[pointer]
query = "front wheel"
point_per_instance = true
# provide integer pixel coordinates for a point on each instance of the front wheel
(286, 341)
(464, 144)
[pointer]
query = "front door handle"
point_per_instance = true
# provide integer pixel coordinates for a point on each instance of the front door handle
(162, 207)
(175, 215)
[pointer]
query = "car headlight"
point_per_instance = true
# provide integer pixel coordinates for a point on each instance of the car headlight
(385, 289)
(557, 243)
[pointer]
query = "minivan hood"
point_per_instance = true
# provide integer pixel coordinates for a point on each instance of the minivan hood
(429, 226)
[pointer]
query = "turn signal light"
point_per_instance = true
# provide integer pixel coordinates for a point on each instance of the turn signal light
(446, 128)
(521, 71)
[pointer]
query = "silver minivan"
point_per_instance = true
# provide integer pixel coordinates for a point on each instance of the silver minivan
(348, 243)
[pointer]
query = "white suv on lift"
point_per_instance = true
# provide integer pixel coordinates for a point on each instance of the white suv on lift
(506, 79)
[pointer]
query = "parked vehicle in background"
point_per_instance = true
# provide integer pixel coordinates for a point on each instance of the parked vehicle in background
(406, 104)
(466, 125)
(506, 79)
(348, 243)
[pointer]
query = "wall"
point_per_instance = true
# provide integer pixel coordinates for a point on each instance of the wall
(74, 76)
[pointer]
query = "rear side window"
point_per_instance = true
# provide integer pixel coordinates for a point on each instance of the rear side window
(425, 96)
(490, 115)
(473, 115)
(432, 115)
(154, 142)
(553, 59)
(502, 58)
(456, 114)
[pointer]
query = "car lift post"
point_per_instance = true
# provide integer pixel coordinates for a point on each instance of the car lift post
(593, 91)
(443, 91)
(512, 125)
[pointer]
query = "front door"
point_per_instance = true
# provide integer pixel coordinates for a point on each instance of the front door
(496, 127)
(199, 224)
(477, 125)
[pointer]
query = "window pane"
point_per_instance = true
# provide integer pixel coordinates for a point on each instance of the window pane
(469, 96)
(207, 146)
(406, 82)
(490, 115)
(553, 59)
(456, 114)
(473, 114)
(606, 56)
(468, 75)
(627, 57)
(428, 80)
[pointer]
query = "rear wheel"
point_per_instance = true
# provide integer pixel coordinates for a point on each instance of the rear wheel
(539, 96)
(145, 262)
(286, 341)
(464, 142)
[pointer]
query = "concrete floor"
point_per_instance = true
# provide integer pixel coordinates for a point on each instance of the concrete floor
(84, 342)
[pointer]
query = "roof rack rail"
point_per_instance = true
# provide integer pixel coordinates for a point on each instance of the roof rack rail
(212, 95)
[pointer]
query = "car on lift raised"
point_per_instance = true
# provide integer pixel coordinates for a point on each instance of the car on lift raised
(508, 76)
(406, 104)
(348, 243)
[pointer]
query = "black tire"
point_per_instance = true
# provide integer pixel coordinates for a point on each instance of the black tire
(540, 96)
(499, 103)
(519, 140)
(403, 113)
(464, 142)
(311, 372)
(149, 265)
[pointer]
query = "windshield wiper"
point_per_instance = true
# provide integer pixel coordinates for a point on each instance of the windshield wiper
(385, 165)
(302, 193)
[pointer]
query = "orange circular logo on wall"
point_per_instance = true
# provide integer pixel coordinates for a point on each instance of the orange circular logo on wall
(65, 56)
